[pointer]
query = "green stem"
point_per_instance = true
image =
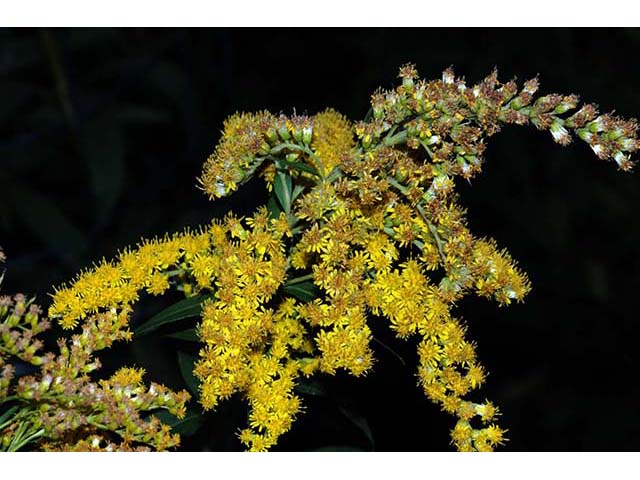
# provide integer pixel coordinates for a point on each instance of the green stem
(436, 235)
(390, 350)
(301, 279)
(426, 147)
(173, 273)
(432, 228)
(28, 439)
(17, 437)
(396, 139)
(391, 131)
(300, 148)
(59, 77)
(393, 182)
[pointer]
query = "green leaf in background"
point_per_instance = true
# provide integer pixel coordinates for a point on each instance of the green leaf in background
(43, 217)
(303, 167)
(297, 190)
(187, 308)
(103, 150)
(189, 425)
(185, 362)
(311, 388)
(305, 291)
(189, 335)
(273, 207)
(283, 188)
(7, 416)
(360, 422)
(13, 97)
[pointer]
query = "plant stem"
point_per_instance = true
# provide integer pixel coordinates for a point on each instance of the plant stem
(304, 149)
(434, 232)
(400, 137)
(301, 279)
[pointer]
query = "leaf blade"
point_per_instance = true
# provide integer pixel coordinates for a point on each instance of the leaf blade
(282, 186)
(186, 362)
(189, 335)
(305, 291)
(187, 426)
(187, 308)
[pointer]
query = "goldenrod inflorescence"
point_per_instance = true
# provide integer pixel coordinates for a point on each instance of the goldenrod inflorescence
(60, 407)
(363, 223)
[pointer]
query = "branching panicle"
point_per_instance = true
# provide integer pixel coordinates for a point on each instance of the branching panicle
(363, 222)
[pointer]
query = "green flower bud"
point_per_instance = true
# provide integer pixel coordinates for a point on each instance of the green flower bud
(13, 320)
(265, 148)
(307, 134)
(283, 131)
(272, 136)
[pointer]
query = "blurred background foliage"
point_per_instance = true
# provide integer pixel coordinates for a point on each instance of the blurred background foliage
(103, 132)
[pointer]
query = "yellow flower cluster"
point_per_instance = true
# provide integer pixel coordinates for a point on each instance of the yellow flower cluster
(58, 406)
(247, 269)
(381, 231)
(332, 139)
(246, 344)
(363, 222)
(118, 284)
(235, 156)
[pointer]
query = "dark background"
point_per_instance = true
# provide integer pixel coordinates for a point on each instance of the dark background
(102, 133)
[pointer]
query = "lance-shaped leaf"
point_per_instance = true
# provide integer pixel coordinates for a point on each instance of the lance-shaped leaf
(187, 308)
(283, 189)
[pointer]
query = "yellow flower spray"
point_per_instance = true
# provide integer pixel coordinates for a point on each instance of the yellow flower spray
(363, 223)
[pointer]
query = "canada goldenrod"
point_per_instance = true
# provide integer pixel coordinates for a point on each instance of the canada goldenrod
(366, 213)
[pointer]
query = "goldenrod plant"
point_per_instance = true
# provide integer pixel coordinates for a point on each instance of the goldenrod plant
(363, 224)
(50, 402)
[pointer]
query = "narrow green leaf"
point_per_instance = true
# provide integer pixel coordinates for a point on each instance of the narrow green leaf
(297, 190)
(6, 416)
(189, 335)
(390, 350)
(273, 207)
(103, 149)
(187, 308)
(360, 422)
(311, 388)
(185, 362)
(282, 187)
(305, 291)
(45, 219)
(189, 425)
(303, 167)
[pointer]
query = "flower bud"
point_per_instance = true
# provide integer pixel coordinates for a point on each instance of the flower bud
(560, 134)
(307, 134)
(283, 131)
(516, 103)
(272, 136)
(596, 125)
(13, 320)
(265, 148)
(585, 135)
